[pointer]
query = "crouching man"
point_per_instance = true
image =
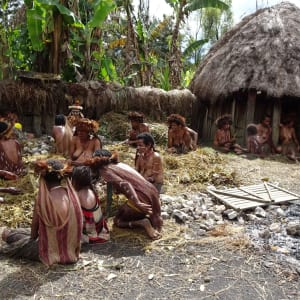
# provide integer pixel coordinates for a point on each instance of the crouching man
(143, 206)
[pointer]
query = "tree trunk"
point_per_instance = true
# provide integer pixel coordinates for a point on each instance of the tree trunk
(57, 41)
(131, 48)
(175, 64)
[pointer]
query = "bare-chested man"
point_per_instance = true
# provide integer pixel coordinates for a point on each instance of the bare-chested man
(11, 164)
(85, 141)
(264, 131)
(288, 140)
(137, 126)
(143, 206)
(181, 138)
(223, 140)
(62, 134)
(148, 161)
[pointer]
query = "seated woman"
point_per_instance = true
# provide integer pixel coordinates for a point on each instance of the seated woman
(288, 140)
(264, 131)
(11, 164)
(85, 141)
(148, 161)
(62, 134)
(137, 126)
(95, 228)
(56, 223)
(223, 141)
(143, 206)
(181, 139)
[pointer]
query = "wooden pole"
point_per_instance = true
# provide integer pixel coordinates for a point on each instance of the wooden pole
(251, 101)
(276, 121)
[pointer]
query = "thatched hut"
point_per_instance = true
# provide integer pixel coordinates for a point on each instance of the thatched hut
(253, 70)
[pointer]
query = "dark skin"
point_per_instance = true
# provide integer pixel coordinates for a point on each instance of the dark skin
(11, 190)
(122, 178)
(8, 175)
(136, 129)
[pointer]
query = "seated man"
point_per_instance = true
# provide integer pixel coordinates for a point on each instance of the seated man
(62, 134)
(288, 140)
(181, 139)
(56, 223)
(95, 228)
(137, 126)
(148, 161)
(264, 131)
(85, 141)
(11, 164)
(143, 206)
(223, 140)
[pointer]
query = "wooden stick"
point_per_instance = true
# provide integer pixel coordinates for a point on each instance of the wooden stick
(241, 196)
(267, 188)
(284, 190)
(252, 194)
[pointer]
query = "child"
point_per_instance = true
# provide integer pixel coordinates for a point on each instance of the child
(254, 141)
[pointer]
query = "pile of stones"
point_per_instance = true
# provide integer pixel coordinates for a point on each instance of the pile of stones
(275, 226)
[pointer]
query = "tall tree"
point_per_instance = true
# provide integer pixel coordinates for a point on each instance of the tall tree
(182, 9)
(215, 22)
(8, 14)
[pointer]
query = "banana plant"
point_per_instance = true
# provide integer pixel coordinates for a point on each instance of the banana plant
(50, 16)
(45, 23)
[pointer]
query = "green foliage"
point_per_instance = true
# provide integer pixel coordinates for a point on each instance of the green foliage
(215, 22)
(94, 41)
(198, 4)
(187, 78)
(164, 78)
(102, 8)
(194, 46)
(36, 26)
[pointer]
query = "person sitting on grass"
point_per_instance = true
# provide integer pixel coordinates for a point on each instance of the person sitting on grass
(142, 208)
(288, 140)
(181, 138)
(137, 126)
(95, 228)
(148, 162)
(224, 141)
(62, 134)
(264, 131)
(11, 164)
(56, 226)
(85, 141)
(254, 141)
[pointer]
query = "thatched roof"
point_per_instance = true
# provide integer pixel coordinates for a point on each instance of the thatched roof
(262, 52)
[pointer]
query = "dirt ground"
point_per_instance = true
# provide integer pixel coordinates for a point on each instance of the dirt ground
(222, 265)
